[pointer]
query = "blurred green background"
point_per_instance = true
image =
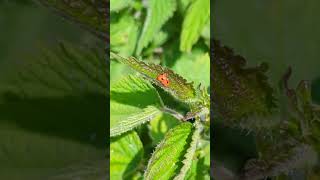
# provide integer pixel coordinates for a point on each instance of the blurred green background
(48, 133)
(281, 33)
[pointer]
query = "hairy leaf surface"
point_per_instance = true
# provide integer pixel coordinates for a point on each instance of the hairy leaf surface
(165, 161)
(189, 156)
(133, 101)
(178, 87)
(233, 86)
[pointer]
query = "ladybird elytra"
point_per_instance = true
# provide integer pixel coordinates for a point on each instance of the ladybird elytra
(163, 79)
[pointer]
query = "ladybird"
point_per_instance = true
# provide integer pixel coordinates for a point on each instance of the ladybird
(163, 78)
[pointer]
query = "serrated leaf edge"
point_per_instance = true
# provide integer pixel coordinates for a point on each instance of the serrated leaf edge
(159, 146)
(190, 152)
(132, 122)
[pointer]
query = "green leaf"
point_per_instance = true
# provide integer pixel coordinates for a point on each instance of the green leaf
(188, 157)
(198, 170)
(68, 69)
(197, 16)
(133, 101)
(166, 160)
(90, 15)
(124, 32)
(200, 167)
(126, 153)
(205, 34)
(117, 5)
(194, 67)
(159, 127)
(158, 13)
(183, 5)
(118, 71)
(178, 87)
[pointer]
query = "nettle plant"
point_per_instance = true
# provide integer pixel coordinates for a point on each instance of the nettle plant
(283, 121)
(159, 101)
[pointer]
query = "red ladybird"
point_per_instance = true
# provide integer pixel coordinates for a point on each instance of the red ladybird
(164, 80)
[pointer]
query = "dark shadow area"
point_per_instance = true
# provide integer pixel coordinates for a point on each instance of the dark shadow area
(232, 146)
(315, 89)
(78, 118)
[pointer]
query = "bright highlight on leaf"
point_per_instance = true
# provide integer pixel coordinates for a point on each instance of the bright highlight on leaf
(117, 5)
(196, 18)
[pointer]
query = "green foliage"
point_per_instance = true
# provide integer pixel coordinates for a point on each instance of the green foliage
(141, 102)
(143, 29)
(117, 5)
(188, 158)
(125, 33)
(126, 152)
(199, 63)
(166, 158)
(159, 126)
(178, 87)
(127, 115)
(158, 13)
(285, 125)
(67, 69)
(235, 86)
(91, 15)
(52, 97)
(197, 17)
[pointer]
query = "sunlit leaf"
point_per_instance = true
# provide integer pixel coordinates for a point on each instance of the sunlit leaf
(178, 86)
(133, 101)
(194, 67)
(160, 125)
(117, 5)
(126, 152)
(165, 161)
(196, 18)
(189, 156)
(124, 32)
(158, 13)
